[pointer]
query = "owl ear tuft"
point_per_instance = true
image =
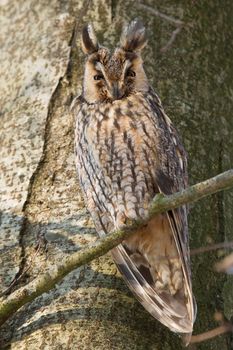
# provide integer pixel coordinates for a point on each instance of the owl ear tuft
(89, 40)
(133, 37)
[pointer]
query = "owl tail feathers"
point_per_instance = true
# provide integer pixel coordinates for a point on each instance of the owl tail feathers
(186, 338)
(167, 309)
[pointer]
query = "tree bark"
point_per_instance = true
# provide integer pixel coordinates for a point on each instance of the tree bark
(40, 74)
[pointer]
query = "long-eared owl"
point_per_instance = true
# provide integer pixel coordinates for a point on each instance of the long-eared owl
(127, 151)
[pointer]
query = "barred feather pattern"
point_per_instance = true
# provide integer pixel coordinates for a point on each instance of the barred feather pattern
(127, 150)
(125, 157)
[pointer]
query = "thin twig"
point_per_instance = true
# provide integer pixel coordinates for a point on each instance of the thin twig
(177, 22)
(225, 328)
(46, 281)
(171, 40)
(23, 273)
(221, 266)
(155, 12)
(223, 245)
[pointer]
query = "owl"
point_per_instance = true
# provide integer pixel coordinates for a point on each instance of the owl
(127, 151)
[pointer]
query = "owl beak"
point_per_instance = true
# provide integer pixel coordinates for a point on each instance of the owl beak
(115, 92)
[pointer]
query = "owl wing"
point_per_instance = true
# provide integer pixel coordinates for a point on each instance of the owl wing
(175, 310)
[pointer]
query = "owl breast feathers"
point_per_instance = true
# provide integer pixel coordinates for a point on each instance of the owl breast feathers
(127, 150)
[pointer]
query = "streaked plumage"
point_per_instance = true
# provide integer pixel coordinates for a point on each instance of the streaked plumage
(127, 150)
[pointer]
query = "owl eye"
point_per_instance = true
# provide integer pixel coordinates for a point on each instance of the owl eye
(130, 73)
(98, 77)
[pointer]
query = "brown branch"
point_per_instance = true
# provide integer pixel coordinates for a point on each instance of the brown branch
(171, 40)
(225, 328)
(46, 281)
(211, 247)
(177, 22)
(157, 13)
(193, 193)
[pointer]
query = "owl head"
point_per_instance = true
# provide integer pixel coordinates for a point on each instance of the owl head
(111, 76)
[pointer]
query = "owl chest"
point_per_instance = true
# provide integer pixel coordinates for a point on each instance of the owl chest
(116, 142)
(118, 154)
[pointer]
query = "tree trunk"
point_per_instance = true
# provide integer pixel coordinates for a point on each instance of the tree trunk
(40, 74)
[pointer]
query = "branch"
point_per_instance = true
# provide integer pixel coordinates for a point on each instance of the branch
(48, 280)
(171, 40)
(211, 247)
(193, 193)
(155, 12)
(177, 22)
(225, 328)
